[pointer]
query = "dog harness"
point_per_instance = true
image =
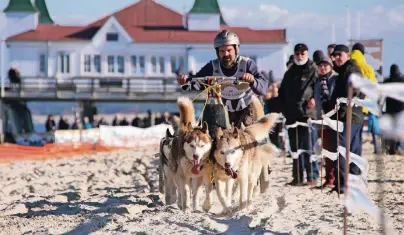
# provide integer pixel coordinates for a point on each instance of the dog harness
(248, 146)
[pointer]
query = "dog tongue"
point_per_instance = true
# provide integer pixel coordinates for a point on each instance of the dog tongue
(196, 168)
(230, 172)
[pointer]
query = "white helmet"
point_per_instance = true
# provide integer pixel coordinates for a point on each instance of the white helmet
(225, 38)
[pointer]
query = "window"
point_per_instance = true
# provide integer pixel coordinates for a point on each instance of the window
(92, 63)
(137, 64)
(177, 63)
(161, 64)
(154, 64)
(112, 37)
(64, 63)
(111, 64)
(142, 66)
(133, 62)
(121, 64)
(43, 64)
(173, 61)
(181, 62)
(97, 63)
(87, 63)
(116, 64)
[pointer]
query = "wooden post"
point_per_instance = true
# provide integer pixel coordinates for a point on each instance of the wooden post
(380, 167)
(321, 154)
(348, 150)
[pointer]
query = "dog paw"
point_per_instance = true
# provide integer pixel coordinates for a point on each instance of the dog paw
(197, 210)
(187, 211)
(228, 211)
(207, 205)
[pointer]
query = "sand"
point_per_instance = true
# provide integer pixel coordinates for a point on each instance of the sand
(117, 193)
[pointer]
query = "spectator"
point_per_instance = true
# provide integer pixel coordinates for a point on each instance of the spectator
(63, 125)
(296, 99)
(394, 107)
(76, 124)
(271, 106)
(368, 72)
(323, 91)
(50, 124)
(14, 75)
(87, 124)
(148, 121)
(136, 122)
(290, 61)
(271, 78)
(345, 67)
(317, 56)
(158, 119)
(124, 122)
(330, 49)
(115, 122)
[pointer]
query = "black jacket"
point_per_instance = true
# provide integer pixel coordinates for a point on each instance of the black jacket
(394, 106)
(296, 89)
(341, 90)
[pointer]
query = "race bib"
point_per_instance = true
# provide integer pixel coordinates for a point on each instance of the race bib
(232, 93)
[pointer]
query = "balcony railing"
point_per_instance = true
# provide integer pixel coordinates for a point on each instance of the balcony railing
(94, 88)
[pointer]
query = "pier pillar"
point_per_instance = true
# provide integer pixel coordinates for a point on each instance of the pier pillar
(2, 124)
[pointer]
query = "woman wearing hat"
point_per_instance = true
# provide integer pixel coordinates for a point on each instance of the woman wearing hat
(323, 89)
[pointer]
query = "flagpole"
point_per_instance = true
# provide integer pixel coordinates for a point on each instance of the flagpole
(348, 149)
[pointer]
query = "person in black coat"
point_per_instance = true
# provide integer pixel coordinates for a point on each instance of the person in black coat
(296, 101)
(50, 124)
(393, 106)
(345, 67)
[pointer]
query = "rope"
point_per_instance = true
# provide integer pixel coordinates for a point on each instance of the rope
(207, 88)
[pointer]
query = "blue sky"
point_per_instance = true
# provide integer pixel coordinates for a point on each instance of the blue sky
(307, 21)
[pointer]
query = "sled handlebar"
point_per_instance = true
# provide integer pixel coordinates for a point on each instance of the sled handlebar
(219, 79)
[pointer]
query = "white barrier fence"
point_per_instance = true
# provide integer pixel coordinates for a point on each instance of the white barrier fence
(128, 136)
(115, 136)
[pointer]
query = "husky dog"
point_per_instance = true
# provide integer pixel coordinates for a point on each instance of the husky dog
(190, 158)
(240, 156)
(167, 185)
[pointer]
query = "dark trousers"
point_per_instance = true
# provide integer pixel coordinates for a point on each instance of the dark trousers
(356, 147)
(303, 139)
(328, 136)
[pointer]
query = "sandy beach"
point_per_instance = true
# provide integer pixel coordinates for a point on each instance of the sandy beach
(117, 193)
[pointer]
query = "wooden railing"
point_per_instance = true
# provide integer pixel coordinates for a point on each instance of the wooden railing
(90, 87)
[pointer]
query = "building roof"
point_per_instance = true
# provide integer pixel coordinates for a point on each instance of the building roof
(20, 6)
(147, 21)
(44, 16)
(207, 6)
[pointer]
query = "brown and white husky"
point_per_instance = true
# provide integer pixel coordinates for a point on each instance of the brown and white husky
(190, 157)
(241, 156)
